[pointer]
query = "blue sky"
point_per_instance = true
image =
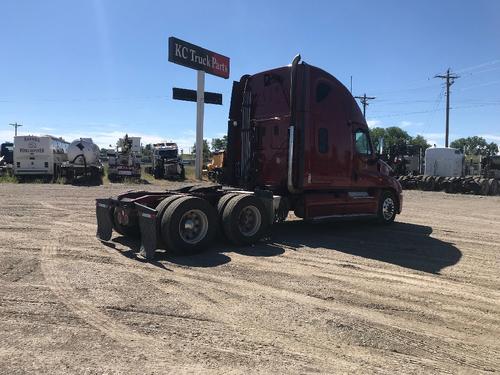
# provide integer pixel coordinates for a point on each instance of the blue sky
(99, 67)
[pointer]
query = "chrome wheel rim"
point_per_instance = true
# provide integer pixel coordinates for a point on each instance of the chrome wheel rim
(388, 208)
(249, 221)
(193, 226)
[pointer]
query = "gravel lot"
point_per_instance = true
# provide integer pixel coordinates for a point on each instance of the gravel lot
(420, 296)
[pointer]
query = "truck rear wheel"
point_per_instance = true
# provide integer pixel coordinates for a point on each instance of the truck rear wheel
(127, 224)
(244, 219)
(188, 225)
(387, 208)
(223, 201)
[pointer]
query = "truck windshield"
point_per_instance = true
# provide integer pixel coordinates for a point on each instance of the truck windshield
(169, 154)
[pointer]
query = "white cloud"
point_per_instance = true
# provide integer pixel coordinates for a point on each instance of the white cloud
(408, 124)
(491, 137)
(373, 123)
(6, 135)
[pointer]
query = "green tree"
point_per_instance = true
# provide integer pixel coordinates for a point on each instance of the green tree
(492, 149)
(147, 150)
(419, 142)
(475, 146)
(219, 144)
(394, 138)
(206, 150)
(376, 135)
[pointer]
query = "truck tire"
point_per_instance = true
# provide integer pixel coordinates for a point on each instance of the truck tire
(484, 186)
(223, 201)
(386, 208)
(493, 184)
(162, 206)
(188, 225)
(221, 205)
(131, 229)
(244, 219)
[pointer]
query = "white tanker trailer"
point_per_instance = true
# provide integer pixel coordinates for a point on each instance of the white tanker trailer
(83, 162)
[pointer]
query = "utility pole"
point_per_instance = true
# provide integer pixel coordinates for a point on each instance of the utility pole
(15, 125)
(364, 100)
(450, 79)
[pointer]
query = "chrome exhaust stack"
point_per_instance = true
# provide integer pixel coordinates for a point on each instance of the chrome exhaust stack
(291, 129)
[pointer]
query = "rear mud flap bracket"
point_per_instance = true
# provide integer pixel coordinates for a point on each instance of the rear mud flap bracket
(104, 213)
(148, 226)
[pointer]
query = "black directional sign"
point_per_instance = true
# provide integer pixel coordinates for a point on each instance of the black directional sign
(190, 96)
(195, 57)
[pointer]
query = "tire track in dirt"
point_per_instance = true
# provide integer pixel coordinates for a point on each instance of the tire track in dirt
(396, 332)
(93, 316)
(205, 304)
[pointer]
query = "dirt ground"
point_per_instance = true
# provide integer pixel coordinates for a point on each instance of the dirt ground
(420, 296)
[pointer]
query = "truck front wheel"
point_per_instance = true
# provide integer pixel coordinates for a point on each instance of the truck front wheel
(387, 208)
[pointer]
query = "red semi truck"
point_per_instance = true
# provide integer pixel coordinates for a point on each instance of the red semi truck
(297, 141)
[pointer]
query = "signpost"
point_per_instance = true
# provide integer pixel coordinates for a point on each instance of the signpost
(204, 61)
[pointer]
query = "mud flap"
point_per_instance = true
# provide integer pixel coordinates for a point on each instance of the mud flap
(148, 226)
(104, 214)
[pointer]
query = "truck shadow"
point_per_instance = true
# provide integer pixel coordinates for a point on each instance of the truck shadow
(402, 244)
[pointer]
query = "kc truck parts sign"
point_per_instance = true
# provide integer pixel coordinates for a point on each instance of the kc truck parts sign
(187, 54)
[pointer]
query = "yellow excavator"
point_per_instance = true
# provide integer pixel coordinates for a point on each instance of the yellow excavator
(214, 168)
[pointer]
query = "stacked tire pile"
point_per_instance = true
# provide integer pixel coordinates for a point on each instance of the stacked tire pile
(452, 185)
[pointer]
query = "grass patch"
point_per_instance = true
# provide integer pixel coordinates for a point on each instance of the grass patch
(9, 179)
(189, 169)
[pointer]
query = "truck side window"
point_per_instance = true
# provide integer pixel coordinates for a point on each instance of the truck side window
(323, 140)
(362, 143)
(322, 91)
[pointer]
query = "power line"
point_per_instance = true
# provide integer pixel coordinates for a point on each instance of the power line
(364, 100)
(450, 79)
(489, 63)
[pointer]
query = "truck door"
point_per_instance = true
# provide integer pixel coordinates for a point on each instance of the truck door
(364, 171)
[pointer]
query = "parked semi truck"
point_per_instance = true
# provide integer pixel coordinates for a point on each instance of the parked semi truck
(125, 161)
(83, 162)
(297, 141)
(39, 156)
(7, 153)
(6, 158)
(166, 162)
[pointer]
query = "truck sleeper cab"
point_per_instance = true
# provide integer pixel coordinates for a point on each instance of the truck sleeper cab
(297, 140)
(298, 132)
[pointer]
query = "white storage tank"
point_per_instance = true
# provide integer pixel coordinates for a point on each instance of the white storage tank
(86, 147)
(442, 161)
